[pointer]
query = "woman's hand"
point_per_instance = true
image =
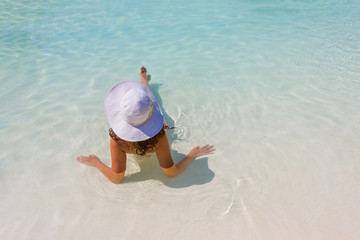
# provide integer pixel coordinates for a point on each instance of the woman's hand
(201, 151)
(175, 170)
(94, 161)
(90, 160)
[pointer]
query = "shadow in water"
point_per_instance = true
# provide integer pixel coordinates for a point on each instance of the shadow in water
(197, 172)
(171, 134)
(155, 89)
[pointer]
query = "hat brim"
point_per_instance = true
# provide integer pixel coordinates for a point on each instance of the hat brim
(122, 128)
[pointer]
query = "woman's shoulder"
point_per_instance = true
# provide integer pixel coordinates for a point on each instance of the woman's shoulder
(120, 143)
(141, 148)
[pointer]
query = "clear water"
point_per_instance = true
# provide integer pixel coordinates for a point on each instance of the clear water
(274, 85)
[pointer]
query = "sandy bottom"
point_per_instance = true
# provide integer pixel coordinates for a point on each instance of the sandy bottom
(273, 85)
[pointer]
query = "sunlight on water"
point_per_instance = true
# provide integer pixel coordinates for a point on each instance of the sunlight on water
(274, 85)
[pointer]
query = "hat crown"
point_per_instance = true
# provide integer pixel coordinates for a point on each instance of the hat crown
(135, 107)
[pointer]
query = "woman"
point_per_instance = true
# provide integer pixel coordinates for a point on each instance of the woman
(137, 127)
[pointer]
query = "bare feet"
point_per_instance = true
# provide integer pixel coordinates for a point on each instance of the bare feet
(143, 74)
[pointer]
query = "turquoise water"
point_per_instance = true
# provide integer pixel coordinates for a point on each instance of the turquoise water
(274, 85)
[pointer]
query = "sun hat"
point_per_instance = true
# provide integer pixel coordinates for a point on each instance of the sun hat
(133, 112)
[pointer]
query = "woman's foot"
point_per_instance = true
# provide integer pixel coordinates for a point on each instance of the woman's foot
(143, 74)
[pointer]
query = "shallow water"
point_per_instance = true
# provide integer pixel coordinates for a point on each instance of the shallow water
(274, 85)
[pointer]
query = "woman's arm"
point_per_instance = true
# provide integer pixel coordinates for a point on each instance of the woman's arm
(118, 163)
(165, 160)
